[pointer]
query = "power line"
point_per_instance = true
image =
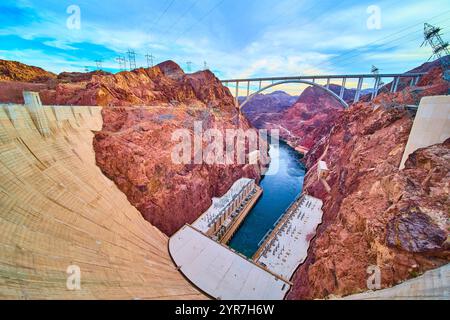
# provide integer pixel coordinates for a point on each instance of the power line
(407, 36)
(373, 42)
(375, 70)
(132, 59)
(99, 64)
(163, 13)
(149, 60)
(122, 63)
(182, 15)
(378, 40)
(411, 39)
(375, 47)
(284, 14)
(433, 38)
(201, 19)
(188, 66)
(325, 12)
(380, 46)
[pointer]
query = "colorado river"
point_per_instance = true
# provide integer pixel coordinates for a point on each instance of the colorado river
(281, 185)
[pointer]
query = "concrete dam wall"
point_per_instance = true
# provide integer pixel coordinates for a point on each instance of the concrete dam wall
(59, 214)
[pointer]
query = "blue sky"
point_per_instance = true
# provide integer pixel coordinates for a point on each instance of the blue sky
(236, 38)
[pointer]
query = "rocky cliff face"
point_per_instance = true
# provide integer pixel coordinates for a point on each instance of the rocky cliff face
(135, 146)
(309, 118)
(301, 121)
(349, 94)
(16, 71)
(265, 109)
(376, 214)
(134, 149)
(163, 83)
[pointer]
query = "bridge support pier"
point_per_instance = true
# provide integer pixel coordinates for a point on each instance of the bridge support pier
(375, 87)
(341, 94)
(395, 84)
(236, 97)
(358, 90)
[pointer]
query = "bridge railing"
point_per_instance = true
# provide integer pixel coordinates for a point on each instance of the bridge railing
(411, 79)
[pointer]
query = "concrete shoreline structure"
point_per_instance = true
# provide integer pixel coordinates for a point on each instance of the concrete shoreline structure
(431, 125)
(432, 285)
(286, 247)
(200, 252)
(226, 213)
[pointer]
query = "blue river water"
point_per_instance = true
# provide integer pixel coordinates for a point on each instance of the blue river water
(282, 183)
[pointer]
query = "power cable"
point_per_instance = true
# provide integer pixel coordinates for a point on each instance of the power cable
(378, 40)
(182, 15)
(201, 19)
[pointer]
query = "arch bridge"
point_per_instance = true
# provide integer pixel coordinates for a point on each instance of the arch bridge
(409, 78)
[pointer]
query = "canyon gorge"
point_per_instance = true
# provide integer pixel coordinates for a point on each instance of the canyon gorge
(374, 213)
(135, 144)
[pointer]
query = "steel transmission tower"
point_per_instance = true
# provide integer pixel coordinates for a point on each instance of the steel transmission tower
(375, 70)
(189, 66)
(132, 59)
(434, 40)
(379, 82)
(99, 64)
(122, 63)
(149, 60)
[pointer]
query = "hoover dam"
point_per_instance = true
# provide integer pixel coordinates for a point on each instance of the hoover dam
(58, 210)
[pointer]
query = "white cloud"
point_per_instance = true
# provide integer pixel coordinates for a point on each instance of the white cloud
(59, 44)
(288, 38)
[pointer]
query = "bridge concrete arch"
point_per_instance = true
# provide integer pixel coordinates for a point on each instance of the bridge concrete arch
(334, 95)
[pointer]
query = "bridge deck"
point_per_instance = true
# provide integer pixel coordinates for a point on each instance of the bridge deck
(334, 76)
(311, 79)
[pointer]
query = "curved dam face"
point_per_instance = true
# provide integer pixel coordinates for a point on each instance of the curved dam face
(67, 232)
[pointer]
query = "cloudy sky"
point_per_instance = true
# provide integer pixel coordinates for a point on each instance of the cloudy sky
(236, 38)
